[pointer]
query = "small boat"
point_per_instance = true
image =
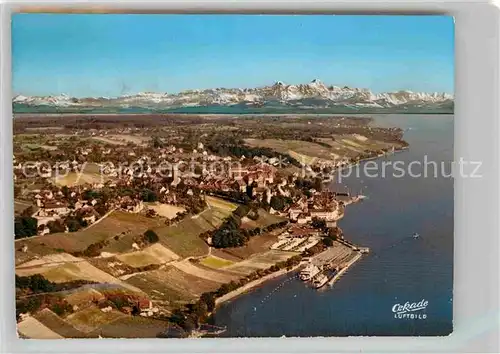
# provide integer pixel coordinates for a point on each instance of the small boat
(309, 272)
(416, 235)
(319, 281)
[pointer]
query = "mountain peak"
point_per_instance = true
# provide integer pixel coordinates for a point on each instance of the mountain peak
(314, 94)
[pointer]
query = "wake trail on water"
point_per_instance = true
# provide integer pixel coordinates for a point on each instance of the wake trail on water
(429, 245)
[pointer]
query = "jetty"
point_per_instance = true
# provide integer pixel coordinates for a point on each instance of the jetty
(344, 269)
(332, 263)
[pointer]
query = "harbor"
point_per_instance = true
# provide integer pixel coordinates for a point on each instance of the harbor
(328, 266)
(362, 295)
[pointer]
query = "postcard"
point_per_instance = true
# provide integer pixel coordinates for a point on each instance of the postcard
(205, 175)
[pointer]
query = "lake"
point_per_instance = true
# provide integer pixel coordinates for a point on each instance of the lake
(399, 268)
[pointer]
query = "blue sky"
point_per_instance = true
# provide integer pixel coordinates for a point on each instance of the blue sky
(110, 55)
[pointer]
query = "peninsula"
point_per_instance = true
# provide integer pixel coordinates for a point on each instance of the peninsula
(140, 225)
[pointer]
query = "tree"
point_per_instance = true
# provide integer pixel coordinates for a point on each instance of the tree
(190, 323)
(334, 233)
(318, 223)
(209, 300)
(277, 202)
(318, 184)
(177, 317)
(28, 305)
(25, 226)
(73, 225)
(66, 191)
(147, 195)
(60, 308)
(101, 209)
(157, 143)
(35, 283)
(17, 191)
(200, 309)
(56, 226)
(90, 194)
(28, 211)
(241, 211)
(223, 289)
(328, 241)
(151, 236)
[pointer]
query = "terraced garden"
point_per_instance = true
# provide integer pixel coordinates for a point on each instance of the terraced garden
(172, 285)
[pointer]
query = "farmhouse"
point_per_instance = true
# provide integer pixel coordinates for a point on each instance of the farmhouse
(53, 208)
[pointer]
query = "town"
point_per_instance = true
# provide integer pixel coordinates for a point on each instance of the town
(141, 226)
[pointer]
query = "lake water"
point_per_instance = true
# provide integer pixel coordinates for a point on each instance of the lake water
(398, 269)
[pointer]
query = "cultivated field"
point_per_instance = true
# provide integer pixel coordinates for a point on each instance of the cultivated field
(298, 147)
(330, 149)
(215, 262)
(265, 219)
(155, 254)
(118, 224)
(112, 265)
(183, 237)
(172, 285)
(256, 245)
(131, 327)
(221, 204)
(63, 267)
(201, 271)
(32, 328)
(21, 206)
(83, 296)
(166, 210)
(90, 173)
(57, 324)
(91, 318)
(123, 139)
(260, 261)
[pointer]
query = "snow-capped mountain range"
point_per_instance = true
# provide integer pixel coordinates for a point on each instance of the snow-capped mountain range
(314, 94)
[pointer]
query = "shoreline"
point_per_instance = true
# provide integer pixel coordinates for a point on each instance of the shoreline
(250, 286)
(354, 164)
(253, 284)
(343, 270)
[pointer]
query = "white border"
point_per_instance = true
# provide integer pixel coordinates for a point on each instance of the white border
(476, 268)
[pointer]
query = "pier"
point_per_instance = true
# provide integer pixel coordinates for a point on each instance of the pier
(344, 269)
(339, 258)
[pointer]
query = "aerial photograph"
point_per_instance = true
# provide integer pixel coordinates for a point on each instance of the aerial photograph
(232, 175)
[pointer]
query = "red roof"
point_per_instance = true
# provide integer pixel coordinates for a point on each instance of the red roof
(143, 303)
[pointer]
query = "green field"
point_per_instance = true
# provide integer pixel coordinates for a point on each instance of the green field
(330, 149)
(265, 219)
(91, 318)
(215, 262)
(183, 237)
(131, 327)
(115, 224)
